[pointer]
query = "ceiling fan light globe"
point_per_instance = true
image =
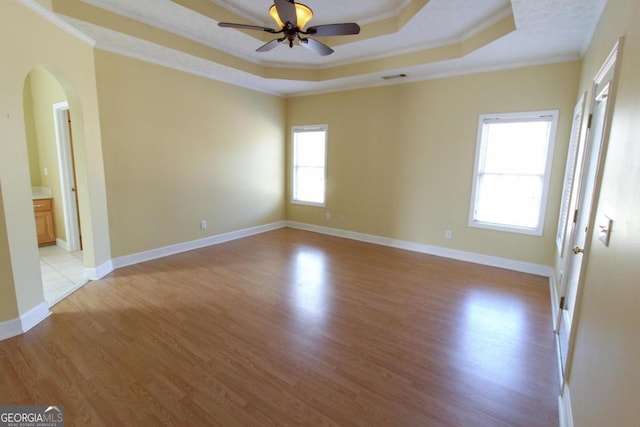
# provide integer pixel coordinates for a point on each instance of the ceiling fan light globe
(303, 15)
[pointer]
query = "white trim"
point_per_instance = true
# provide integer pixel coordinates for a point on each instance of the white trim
(99, 272)
(301, 129)
(559, 358)
(67, 184)
(605, 80)
(57, 21)
(564, 407)
(62, 244)
(152, 254)
(28, 320)
(34, 316)
(548, 116)
(566, 323)
(488, 260)
(10, 328)
(15, 327)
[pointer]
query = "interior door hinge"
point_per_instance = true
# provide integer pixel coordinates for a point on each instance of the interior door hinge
(589, 121)
(575, 216)
(562, 303)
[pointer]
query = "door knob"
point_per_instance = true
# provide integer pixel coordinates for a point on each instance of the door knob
(577, 250)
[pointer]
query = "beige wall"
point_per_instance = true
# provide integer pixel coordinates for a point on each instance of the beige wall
(30, 131)
(71, 62)
(179, 149)
(400, 158)
(45, 91)
(604, 374)
(8, 303)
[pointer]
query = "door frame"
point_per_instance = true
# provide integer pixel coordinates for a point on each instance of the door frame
(67, 176)
(605, 79)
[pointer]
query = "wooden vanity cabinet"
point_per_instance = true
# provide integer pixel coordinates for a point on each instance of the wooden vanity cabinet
(45, 227)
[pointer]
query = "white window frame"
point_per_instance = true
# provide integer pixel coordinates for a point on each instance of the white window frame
(300, 129)
(552, 115)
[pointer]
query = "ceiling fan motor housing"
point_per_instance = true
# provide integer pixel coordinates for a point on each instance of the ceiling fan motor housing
(285, 13)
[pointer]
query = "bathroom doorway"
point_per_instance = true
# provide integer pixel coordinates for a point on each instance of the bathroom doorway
(52, 170)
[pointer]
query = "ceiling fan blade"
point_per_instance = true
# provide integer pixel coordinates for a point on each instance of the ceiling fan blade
(316, 46)
(334, 29)
(246, 27)
(268, 46)
(287, 12)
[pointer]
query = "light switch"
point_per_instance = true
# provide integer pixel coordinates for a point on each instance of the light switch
(604, 225)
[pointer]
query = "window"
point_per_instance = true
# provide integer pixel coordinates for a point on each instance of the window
(512, 168)
(309, 162)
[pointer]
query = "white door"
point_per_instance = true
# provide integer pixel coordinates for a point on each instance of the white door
(585, 207)
(588, 173)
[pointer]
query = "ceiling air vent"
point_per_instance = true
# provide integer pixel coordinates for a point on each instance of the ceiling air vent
(394, 76)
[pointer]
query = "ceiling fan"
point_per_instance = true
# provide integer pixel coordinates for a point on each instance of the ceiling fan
(291, 17)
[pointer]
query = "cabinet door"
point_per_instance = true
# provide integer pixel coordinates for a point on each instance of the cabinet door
(44, 228)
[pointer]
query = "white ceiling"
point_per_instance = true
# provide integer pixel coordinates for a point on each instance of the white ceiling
(545, 31)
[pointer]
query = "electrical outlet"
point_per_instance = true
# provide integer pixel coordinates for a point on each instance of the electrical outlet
(448, 234)
(327, 216)
(203, 225)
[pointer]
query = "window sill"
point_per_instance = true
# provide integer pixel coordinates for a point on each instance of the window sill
(507, 228)
(312, 204)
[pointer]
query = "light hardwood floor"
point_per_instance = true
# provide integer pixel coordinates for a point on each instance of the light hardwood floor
(294, 328)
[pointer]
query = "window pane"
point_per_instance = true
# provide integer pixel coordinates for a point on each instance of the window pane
(509, 199)
(516, 147)
(309, 157)
(310, 184)
(309, 148)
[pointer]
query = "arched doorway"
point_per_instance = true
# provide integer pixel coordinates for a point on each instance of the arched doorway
(69, 57)
(53, 171)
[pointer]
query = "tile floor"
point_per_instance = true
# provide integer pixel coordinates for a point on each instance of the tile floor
(62, 272)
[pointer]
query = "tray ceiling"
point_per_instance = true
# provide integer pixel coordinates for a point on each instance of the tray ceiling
(419, 38)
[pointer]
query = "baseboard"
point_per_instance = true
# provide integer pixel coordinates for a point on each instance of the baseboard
(18, 326)
(492, 261)
(139, 257)
(564, 407)
(28, 320)
(10, 328)
(62, 244)
(127, 260)
(99, 272)
(34, 316)
(14, 327)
